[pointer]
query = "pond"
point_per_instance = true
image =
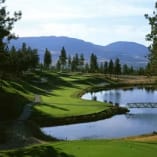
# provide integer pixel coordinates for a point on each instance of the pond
(136, 122)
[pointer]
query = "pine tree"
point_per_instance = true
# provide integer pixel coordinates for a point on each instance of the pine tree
(152, 38)
(87, 67)
(125, 69)
(117, 68)
(63, 58)
(101, 68)
(81, 62)
(69, 62)
(6, 25)
(106, 67)
(58, 65)
(93, 63)
(47, 59)
(111, 67)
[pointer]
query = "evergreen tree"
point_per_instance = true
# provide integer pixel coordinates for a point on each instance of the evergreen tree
(93, 63)
(131, 70)
(63, 58)
(125, 69)
(58, 65)
(141, 71)
(23, 59)
(6, 25)
(101, 68)
(87, 67)
(117, 68)
(34, 59)
(69, 62)
(75, 63)
(111, 67)
(47, 59)
(81, 62)
(106, 67)
(152, 38)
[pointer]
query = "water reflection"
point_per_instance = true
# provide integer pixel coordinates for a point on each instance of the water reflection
(124, 96)
(136, 122)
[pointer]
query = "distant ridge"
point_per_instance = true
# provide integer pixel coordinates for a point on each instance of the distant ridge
(128, 52)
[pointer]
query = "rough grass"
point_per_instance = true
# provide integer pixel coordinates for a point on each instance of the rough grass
(135, 79)
(94, 148)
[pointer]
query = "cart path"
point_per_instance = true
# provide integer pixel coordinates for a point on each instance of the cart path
(28, 109)
(19, 134)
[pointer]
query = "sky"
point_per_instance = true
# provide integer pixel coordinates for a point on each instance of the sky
(97, 21)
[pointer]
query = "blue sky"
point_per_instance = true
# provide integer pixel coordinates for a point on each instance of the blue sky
(97, 21)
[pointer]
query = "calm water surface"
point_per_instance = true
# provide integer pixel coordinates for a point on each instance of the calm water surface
(136, 122)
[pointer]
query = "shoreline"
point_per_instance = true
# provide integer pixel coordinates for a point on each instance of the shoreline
(107, 113)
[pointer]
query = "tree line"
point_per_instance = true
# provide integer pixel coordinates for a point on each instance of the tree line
(17, 62)
(77, 63)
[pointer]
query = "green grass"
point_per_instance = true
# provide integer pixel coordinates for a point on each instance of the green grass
(110, 148)
(62, 99)
(94, 148)
(59, 95)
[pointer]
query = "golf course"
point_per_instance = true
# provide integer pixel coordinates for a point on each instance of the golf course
(59, 104)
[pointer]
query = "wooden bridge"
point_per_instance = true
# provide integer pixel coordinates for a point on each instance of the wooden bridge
(142, 105)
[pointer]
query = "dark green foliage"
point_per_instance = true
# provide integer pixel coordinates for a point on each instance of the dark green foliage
(101, 68)
(63, 58)
(93, 63)
(22, 60)
(69, 62)
(47, 59)
(86, 67)
(6, 25)
(117, 68)
(75, 63)
(141, 71)
(11, 105)
(126, 70)
(38, 151)
(106, 67)
(58, 65)
(152, 38)
(111, 67)
(81, 62)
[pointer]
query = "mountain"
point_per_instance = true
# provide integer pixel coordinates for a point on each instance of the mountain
(128, 52)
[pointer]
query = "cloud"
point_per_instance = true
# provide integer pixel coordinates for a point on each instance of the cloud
(98, 21)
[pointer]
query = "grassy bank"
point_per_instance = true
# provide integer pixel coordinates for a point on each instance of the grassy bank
(100, 148)
(62, 101)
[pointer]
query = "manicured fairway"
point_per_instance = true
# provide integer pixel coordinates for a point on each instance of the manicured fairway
(62, 101)
(108, 148)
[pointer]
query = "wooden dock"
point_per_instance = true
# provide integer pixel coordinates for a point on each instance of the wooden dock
(142, 105)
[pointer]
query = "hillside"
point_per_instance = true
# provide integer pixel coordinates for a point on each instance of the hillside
(129, 52)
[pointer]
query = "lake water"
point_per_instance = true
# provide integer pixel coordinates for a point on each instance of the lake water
(136, 122)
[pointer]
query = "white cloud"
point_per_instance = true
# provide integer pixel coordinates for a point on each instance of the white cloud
(92, 20)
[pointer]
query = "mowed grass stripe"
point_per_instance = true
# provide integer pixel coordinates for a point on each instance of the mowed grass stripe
(63, 101)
